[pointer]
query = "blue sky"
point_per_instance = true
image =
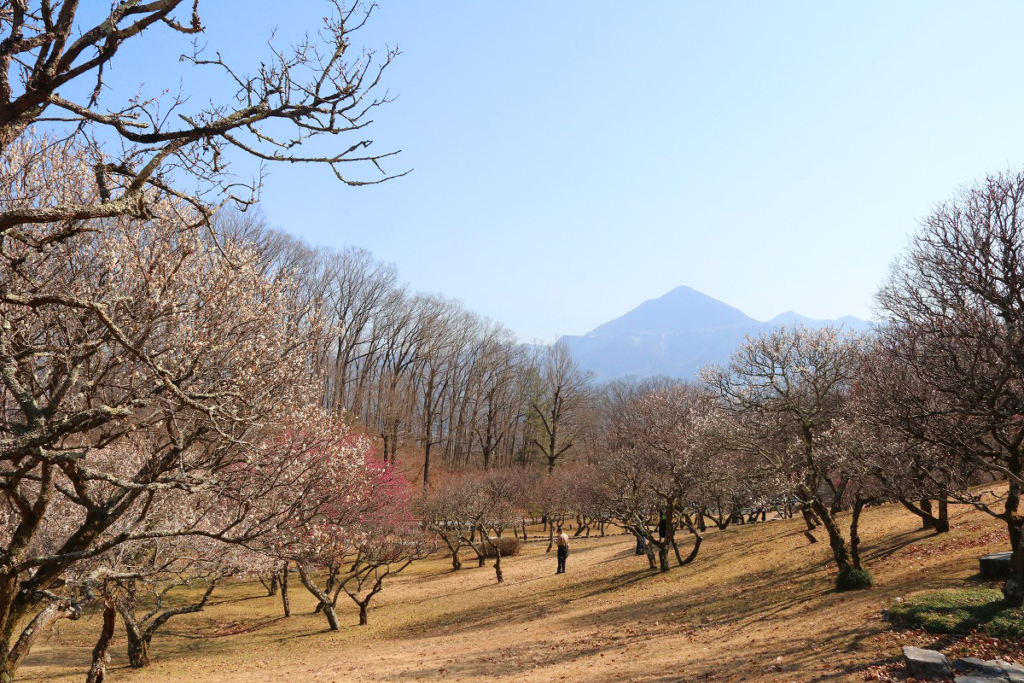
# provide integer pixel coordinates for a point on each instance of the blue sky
(573, 159)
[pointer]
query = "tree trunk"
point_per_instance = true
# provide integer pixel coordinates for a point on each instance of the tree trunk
(849, 577)
(100, 653)
(667, 531)
(326, 605)
(332, 577)
(12, 611)
(927, 521)
(497, 561)
(809, 520)
(722, 521)
(858, 507)
(697, 540)
(924, 510)
(840, 549)
(138, 649)
(649, 551)
(480, 554)
(426, 464)
(641, 544)
(456, 562)
(285, 602)
(1013, 589)
(138, 645)
(332, 616)
(942, 526)
(363, 619)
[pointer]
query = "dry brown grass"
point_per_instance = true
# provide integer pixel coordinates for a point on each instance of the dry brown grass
(756, 606)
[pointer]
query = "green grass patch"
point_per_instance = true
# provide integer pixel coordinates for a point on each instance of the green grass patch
(854, 579)
(961, 611)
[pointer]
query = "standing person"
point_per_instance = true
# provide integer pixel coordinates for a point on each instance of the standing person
(562, 539)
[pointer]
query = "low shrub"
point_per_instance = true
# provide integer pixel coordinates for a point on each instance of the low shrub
(854, 579)
(960, 612)
(509, 546)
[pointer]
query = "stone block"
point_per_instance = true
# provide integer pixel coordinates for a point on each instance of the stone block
(928, 665)
(980, 667)
(995, 565)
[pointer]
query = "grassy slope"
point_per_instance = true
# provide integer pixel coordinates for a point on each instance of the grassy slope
(756, 606)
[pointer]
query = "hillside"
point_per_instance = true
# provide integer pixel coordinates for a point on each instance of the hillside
(756, 606)
(676, 334)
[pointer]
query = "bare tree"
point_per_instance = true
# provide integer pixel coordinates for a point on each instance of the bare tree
(439, 338)
(665, 448)
(313, 89)
(448, 511)
(391, 402)
(496, 394)
(380, 555)
(955, 302)
(502, 494)
(786, 390)
(564, 394)
(909, 468)
(361, 290)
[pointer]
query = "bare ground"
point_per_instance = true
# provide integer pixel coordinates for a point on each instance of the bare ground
(756, 606)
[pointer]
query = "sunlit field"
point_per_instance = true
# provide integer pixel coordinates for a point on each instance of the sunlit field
(757, 605)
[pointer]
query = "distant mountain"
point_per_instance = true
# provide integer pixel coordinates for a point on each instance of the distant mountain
(681, 310)
(676, 334)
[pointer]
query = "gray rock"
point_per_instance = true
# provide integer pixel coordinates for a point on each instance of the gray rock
(927, 664)
(980, 667)
(995, 565)
(978, 679)
(1014, 671)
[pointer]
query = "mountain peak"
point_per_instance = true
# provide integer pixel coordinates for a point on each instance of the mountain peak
(676, 334)
(680, 310)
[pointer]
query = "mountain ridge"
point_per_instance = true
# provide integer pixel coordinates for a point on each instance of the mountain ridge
(676, 334)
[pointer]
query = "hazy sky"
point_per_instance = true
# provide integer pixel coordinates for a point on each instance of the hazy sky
(573, 159)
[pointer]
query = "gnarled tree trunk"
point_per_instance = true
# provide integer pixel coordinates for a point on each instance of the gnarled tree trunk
(326, 604)
(100, 653)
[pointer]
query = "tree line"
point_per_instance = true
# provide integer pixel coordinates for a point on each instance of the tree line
(421, 373)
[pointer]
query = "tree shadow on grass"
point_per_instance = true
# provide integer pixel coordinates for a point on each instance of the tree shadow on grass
(233, 629)
(886, 549)
(709, 612)
(539, 605)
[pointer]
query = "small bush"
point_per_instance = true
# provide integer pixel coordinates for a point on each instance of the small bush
(509, 546)
(853, 579)
(960, 612)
